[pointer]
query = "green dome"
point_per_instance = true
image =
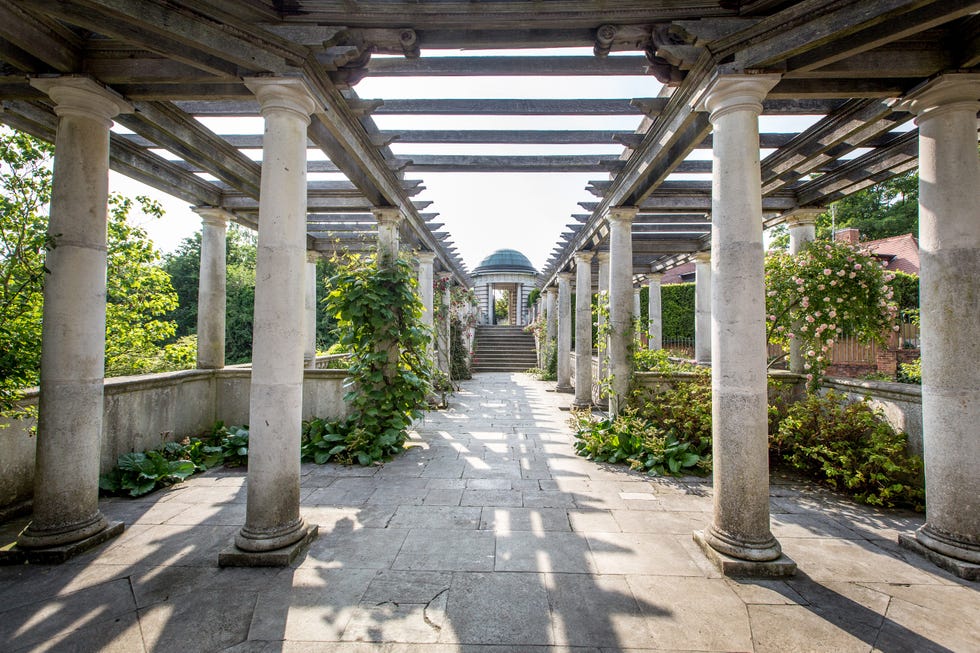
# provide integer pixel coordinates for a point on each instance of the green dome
(505, 260)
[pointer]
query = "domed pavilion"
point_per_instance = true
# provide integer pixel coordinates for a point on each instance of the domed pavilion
(506, 272)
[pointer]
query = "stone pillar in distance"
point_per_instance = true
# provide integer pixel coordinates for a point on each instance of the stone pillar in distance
(309, 353)
(274, 532)
(443, 327)
(551, 294)
(426, 259)
(739, 539)
(620, 303)
(602, 287)
(211, 288)
(66, 518)
(655, 320)
(564, 332)
(802, 224)
(949, 241)
(637, 304)
(702, 308)
(583, 329)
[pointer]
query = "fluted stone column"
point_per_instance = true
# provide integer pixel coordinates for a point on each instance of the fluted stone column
(564, 332)
(739, 539)
(274, 529)
(802, 225)
(949, 241)
(426, 259)
(655, 318)
(583, 329)
(309, 353)
(702, 308)
(443, 333)
(66, 516)
(620, 303)
(603, 289)
(211, 288)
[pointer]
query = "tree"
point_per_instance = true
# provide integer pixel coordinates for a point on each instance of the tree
(139, 293)
(830, 290)
(25, 189)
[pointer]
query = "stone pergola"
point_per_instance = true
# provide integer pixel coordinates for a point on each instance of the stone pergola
(155, 67)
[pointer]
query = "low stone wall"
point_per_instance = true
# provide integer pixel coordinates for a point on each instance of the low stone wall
(142, 412)
(901, 403)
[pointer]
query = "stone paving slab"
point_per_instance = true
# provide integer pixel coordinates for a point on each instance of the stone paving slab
(489, 535)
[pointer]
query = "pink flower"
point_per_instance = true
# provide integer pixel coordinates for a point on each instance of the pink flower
(840, 273)
(809, 377)
(895, 328)
(826, 272)
(857, 266)
(830, 341)
(809, 318)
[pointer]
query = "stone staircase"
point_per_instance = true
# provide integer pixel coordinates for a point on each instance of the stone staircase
(503, 349)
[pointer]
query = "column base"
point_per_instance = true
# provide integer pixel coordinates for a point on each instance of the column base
(281, 557)
(581, 405)
(59, 553)
(564, 388)
(781, 567)
(960, 568)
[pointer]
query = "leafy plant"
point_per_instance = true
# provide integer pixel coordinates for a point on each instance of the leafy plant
(910, 372)
(139, 473)
(322, 440)
(234, 445)
(850, 447)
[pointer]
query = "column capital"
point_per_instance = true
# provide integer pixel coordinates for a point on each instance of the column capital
(565, 276)
(623, 214)
(655, 277)
(79, 95)
(947, 92)
(426, 258)
(803, 216)
(551, 290)
(740, 92)
(213, 216)
(387, 214)
(702, 257)
(583, 257)
(602, 256)
(290, 94)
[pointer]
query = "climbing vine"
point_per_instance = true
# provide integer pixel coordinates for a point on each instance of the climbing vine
(379, 320)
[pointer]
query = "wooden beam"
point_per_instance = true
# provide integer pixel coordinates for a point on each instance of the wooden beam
(492, 163)
(48, 42)
(513, 107)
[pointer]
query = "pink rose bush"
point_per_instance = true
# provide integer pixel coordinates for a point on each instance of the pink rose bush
(802, 306)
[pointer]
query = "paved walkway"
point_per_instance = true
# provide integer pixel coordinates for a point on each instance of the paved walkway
(490, 531)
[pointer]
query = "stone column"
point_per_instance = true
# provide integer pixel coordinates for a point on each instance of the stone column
(583, 329)
(620, 303)
(389, 218)
(211, 288)
(274, 530)
(655, 318)
(66, 517)
(702, 308)
(444, 360)
(802, 225)
(490, 307)
(564, 332)
(426, 259)
(309, 353)
(603, 290)
(739, 539)
(552, 314)
(949, 241)
(520, 303)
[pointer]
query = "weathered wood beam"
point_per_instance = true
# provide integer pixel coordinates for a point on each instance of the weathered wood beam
(849, 124)
(904, 61)
(513, 107)
(172, 129)
(886, 31)
(516, 136)
(344, 160)
(843, 89)
(508, 66)
(834, 185)
(46, 45)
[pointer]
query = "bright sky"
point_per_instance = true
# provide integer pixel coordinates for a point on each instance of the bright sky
(482, 211)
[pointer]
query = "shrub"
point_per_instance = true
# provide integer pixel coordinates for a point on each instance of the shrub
(851, 448)
(910, 372)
